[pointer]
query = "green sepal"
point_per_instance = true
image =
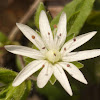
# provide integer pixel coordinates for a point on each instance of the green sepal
(69, 37)
(78, 64)
(52, 80)
(18, 63)
(27, 60)
(49, 16)
(3, 38)
(37, 14)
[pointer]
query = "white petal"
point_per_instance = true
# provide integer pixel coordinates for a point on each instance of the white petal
(31, 35)
(24, 51)
(45, 30)
(28, 71)
(44, 75)
(62, 78)
(81, 55)
(73, 71)
(61, 31)
(72, 44)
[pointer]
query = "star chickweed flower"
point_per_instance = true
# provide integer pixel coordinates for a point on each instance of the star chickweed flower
(53, 55)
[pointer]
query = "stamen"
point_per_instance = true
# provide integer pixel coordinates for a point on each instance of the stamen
(43, 48)
(33, 37)
(49, 36)
(68, 65)
(58, 37)
(43, 66)
(74, 39)
(60, 34)
(65, 49)
(48, 33)
(55, 26)
(54, 54)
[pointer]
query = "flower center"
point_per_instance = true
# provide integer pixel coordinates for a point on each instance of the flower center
(53, 55)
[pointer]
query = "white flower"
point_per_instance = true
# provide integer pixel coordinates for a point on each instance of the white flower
(53, 55)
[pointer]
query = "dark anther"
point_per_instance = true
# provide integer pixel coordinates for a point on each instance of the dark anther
(60, 34)
(54, 54)
(43, 48)
(33, 37)
(55, 26)
(48, 33)
(74, 39)
(65, 49)
(68, 65)
(43, 66)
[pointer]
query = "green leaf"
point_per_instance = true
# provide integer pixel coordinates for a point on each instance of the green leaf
(28, 89)
(3, 92)
(16, 93)
(27, 60)
(37, 14)
(22, 91)
(6, 75)
(81, 8)
(52, 80)
(78, 64)
(9, 92)
(71, 20)
(36, 18)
